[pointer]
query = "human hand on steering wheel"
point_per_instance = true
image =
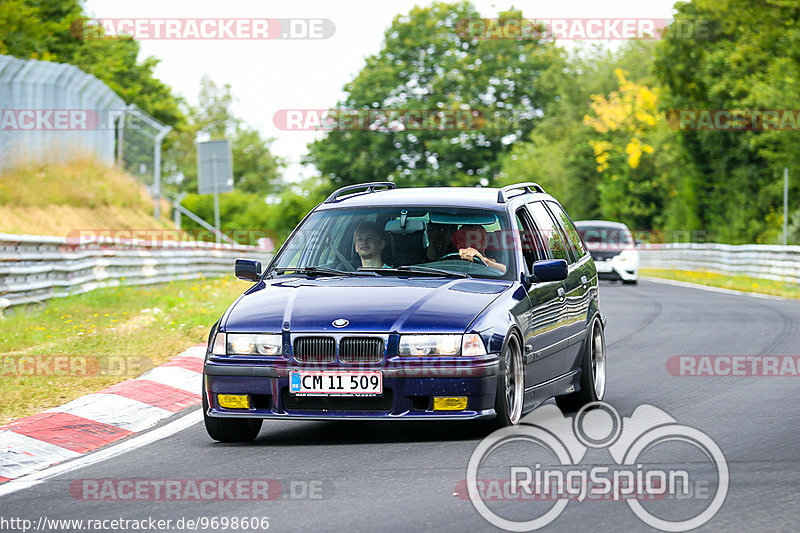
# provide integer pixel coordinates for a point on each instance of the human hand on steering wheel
(467, 254)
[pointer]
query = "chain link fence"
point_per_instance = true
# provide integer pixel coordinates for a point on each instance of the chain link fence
(54, 112)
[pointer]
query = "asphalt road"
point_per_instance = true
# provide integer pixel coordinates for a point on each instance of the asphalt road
(402, 476)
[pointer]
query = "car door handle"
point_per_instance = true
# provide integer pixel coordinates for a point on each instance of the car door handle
(584, 281)
(561, 294)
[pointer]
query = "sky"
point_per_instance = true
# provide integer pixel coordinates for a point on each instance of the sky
(269, 75)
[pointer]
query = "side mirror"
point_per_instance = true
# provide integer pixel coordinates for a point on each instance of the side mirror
(248, 269)
(549, 270)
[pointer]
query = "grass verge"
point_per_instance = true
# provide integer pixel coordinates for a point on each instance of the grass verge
(737, 283)
(56, 198)
(80, 344)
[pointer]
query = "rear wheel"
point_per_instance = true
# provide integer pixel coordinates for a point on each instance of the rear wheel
(229, 429)
(510, 385)
(593, 372)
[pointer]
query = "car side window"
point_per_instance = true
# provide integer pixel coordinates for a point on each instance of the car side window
(549, 232)
(577, 247)
(530, 247)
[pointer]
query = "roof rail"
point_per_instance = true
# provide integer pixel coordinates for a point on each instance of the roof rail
(527, 187)
(385, 185)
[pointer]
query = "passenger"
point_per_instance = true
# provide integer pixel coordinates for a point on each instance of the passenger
(369, 241)
(440, 241)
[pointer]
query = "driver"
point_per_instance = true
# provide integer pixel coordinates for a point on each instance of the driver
(476, 236)
(369, 241)
(441, 239)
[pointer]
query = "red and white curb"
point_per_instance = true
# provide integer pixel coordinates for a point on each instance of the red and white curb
(95, 420)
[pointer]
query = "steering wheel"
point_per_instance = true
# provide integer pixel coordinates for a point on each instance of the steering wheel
(458, 255)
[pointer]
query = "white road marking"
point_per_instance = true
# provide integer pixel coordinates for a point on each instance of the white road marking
(133, 443)
(713, 289)
(115, 410)
(175, 376)
(20, 454)
(195, 351)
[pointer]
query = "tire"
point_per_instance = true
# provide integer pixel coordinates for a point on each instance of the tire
(510, 385)
(593, 372)
(229, 429)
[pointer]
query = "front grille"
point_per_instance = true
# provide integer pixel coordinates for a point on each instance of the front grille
(292, 402)
(603, 255)
(315, 349)
(361, 350)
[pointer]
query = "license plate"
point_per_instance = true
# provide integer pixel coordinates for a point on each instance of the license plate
(603, 266)
(322, 383)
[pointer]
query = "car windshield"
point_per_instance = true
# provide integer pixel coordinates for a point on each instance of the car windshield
(605, 236)
(400, 241)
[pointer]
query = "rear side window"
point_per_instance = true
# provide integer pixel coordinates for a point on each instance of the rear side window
(549, 232)
(527, 233)
(577, 247)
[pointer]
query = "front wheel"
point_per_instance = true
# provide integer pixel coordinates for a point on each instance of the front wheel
(229, 429)
(593, 372)
(510, 385)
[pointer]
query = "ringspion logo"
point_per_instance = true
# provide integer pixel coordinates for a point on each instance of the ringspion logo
(538, 465)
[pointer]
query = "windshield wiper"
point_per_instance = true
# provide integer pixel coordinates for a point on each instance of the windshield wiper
(417, 269)
(324, 271)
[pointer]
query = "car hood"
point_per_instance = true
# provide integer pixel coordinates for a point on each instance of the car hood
(386, 305)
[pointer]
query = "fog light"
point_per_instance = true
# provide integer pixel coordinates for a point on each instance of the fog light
(449, 403)
(233, 401)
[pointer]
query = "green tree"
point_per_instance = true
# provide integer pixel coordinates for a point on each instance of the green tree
(748, 59)
(428, 62)
(256, 169)
(558, 154)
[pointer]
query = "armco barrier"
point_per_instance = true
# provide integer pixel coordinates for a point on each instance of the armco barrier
(35, 268)
(780, 263)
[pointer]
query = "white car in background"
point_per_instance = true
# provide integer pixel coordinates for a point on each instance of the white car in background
(613, 249)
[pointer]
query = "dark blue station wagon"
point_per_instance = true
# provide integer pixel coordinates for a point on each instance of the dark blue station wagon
(421, 303)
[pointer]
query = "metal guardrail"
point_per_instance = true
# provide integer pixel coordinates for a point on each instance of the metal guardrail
(779, 263)
(35, 268)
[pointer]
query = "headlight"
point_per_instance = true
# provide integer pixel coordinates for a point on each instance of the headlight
(250, 344)
(437, 345)
(627, 254)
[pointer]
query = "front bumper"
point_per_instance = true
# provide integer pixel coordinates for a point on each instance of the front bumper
(409, 386)
(614, 269)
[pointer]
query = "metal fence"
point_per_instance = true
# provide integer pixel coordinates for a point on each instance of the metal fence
(52, 112)
(780, 263)
(34, 268)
